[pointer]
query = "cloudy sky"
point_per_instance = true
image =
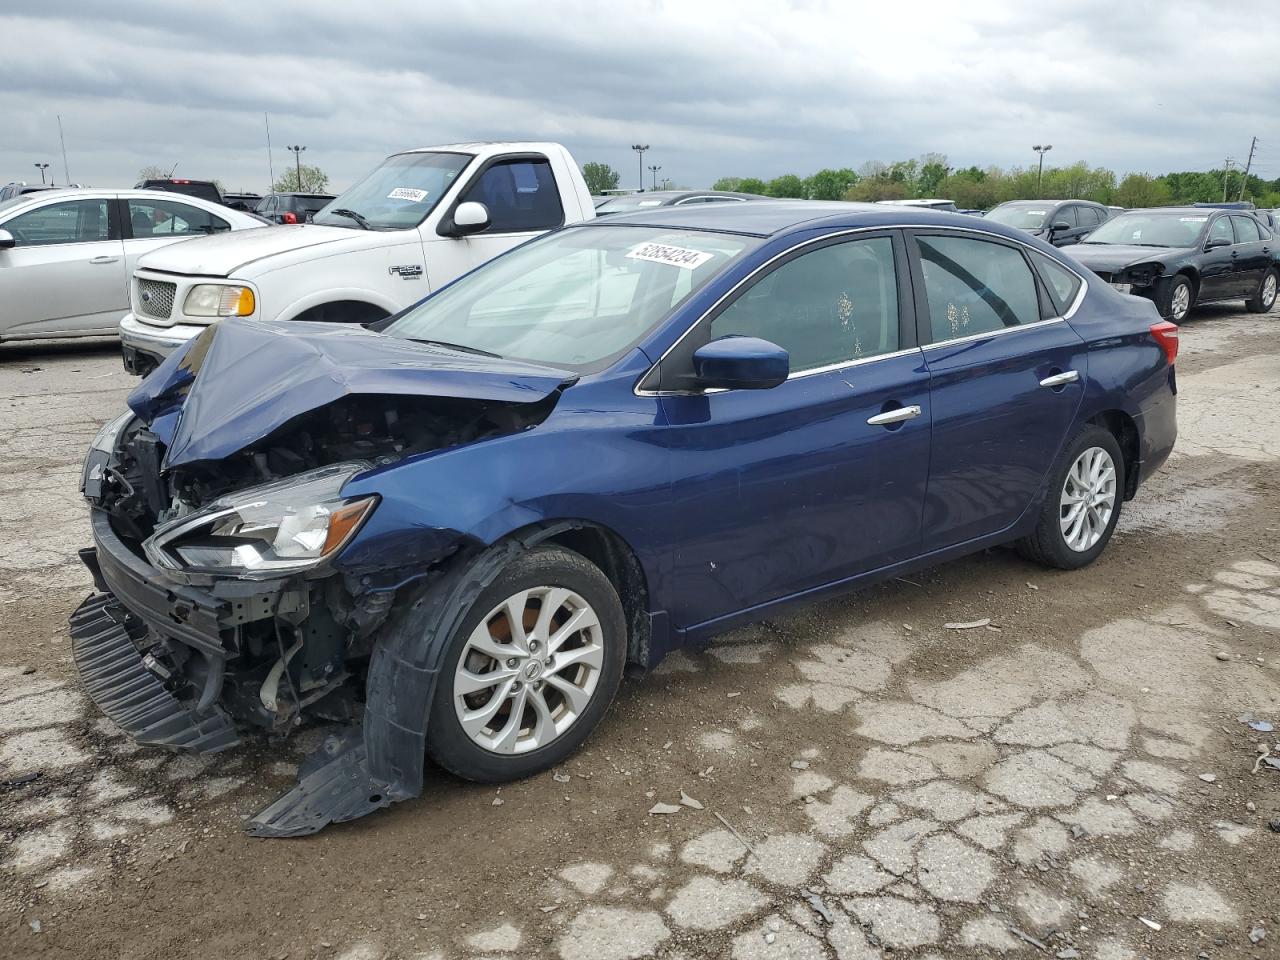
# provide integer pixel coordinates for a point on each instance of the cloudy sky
(716, 88)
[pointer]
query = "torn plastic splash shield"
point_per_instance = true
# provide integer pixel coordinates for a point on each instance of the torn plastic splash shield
(370, 766)
(242, 379)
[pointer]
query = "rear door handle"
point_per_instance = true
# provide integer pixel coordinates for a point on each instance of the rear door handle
(890, 417)
(1061, 379)
(105, 260)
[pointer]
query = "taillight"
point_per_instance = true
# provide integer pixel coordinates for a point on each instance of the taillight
(289, 217)
(1166, 335)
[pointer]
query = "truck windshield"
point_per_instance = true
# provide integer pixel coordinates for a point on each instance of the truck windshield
(398, 194)
(577, 299)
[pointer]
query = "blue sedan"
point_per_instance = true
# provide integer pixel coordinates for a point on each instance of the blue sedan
(616, 440)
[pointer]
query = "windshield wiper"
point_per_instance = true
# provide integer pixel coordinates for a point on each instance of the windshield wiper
(352, 215)
(457, 346)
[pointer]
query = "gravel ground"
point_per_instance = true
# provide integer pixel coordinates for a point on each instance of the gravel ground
(1074, 781)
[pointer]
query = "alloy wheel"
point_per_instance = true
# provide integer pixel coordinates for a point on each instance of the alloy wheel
(1088, 499)
(1181, 301)
(1269, 292)
(529, 670)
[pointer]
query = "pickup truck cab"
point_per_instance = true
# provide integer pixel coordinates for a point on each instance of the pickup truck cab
(420, 220)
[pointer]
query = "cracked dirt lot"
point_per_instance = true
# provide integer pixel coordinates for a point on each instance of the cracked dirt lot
(887, 787)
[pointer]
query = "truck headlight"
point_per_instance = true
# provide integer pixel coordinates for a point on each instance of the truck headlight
(277, 528)
(219, 300)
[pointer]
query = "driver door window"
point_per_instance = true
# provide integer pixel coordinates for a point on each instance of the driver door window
(1221, 230)
(74, 221)
(832, 306)
(520, 195)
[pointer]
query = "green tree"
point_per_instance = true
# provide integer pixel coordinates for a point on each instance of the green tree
(753, 185)
(830, 184)
(932, 175)
(787, 186)
(600, 177)
(1142, 190)
(313, 180)
(870, 189)
(730, 184)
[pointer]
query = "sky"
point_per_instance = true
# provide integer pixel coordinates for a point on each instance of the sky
(740, 88)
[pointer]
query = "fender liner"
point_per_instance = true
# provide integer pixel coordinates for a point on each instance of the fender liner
(369, 766)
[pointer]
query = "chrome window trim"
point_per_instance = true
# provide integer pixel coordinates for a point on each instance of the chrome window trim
(994, 333)
(930, 228)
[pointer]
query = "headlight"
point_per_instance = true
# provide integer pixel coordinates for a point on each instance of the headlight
(100, 451)
(219, 300)
(277, 528)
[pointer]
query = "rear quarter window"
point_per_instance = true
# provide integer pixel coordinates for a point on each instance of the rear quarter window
(1062, 284)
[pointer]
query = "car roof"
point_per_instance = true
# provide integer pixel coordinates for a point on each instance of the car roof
(71, 193)
(1186, 210)
(782, 216)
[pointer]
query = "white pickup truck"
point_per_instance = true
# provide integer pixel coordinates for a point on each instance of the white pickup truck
(418, 221)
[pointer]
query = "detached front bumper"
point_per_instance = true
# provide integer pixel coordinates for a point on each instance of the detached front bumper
(145, 345)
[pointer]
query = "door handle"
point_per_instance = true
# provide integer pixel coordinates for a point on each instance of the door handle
(105, 260)
(890, 417)
(1061, 379)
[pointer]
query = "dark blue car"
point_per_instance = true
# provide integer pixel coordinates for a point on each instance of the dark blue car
(450, 534)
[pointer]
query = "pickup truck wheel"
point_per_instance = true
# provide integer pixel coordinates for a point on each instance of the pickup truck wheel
(1265, 297)
(1082, 502)
(531, 669)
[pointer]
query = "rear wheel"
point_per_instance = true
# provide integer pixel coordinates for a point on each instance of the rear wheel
(1082, 502)
(1265, 297)
(1178, 299)
(531, 669)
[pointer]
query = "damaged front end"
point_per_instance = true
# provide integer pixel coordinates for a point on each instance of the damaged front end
(224, 605)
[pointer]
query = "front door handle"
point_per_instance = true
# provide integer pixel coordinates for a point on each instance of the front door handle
(890, 417)
(1061, 379)
(105, 260)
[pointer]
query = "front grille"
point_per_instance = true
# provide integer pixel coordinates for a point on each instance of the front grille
(155, 298)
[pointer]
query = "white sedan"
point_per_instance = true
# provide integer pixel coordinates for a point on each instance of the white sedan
(66, 256)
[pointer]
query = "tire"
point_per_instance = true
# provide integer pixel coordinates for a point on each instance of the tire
(1265, 298)
(456, 748)
(1048, 544)
(1179, 291)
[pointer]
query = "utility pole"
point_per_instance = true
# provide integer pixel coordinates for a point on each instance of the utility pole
(1042, 150)
(271, 169)
(42, 167)
(640, 148)
(297, 165)
(1244, 181)
(654, 168)
(1226, 170)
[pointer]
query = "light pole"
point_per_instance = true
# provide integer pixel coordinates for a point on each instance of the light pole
(654, 168)
(43, 167)
(640, 148)
(297, 164)
(1042, 150)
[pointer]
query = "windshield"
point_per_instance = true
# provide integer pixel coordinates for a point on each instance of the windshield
(576, 299)
(1021, 218)
(1152, 229)
(398, 194)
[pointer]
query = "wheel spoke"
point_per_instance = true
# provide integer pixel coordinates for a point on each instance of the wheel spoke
(544, 726)
(475, 721)
(591, 654)
(467, 681)
(575, 697)
(583, 619)
(483, 641)
(504, 741)
(552, 601)
(515, 607)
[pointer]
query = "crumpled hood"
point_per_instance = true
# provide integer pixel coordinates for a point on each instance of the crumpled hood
(1111, 257)
(222, 254)
(241, 380)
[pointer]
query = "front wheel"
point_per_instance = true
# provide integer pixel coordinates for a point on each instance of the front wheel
(1177, 300)
(1265, 298)
(531, 669)
(1082, 502)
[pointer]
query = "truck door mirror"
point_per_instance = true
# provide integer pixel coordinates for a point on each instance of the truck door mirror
(470, 217)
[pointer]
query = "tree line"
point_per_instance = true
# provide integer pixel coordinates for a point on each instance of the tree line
(980, 188)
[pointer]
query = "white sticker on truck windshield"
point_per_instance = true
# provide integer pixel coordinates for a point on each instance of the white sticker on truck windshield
(407, 193)
(681, 257)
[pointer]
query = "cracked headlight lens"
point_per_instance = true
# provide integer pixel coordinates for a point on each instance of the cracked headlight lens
(277, 528)
(99, 455)
(219, 300)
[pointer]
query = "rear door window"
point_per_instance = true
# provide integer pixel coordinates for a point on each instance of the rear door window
(1246, 229)
(975, 286)
(520, 195)
(169, 218)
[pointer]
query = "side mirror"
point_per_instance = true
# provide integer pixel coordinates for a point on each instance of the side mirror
(1059, 226)
(1216, 242)
(7, 242)
(740, 363)
(470, 217)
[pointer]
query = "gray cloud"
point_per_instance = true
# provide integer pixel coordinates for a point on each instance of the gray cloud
(715, 87)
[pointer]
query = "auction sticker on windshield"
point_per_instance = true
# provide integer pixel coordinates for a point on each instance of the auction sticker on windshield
(407, 193)
(675, 256)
